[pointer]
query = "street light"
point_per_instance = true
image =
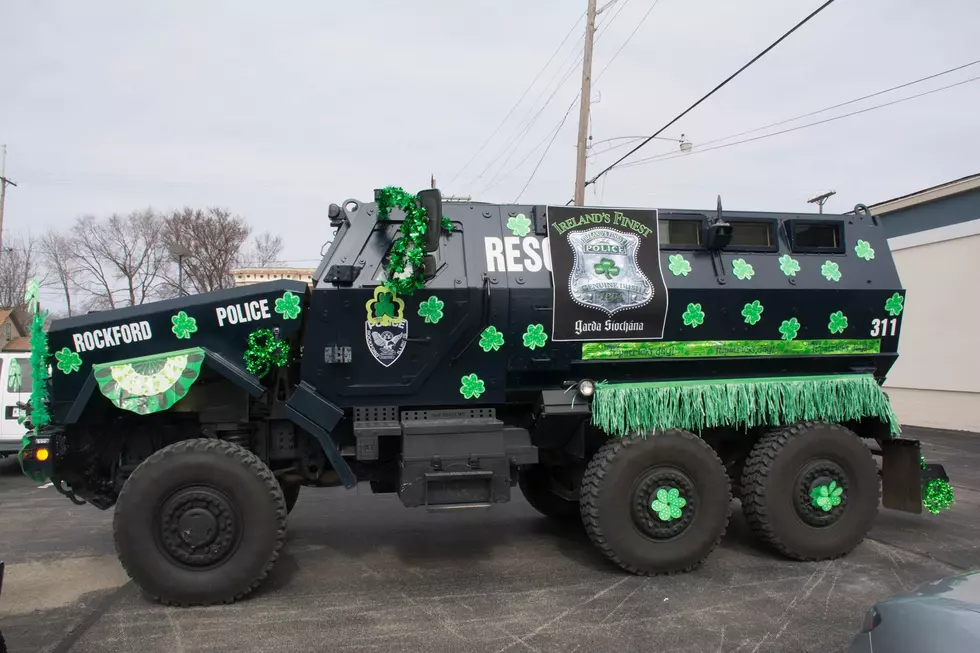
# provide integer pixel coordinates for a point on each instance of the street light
(683, 143)
(181, 252)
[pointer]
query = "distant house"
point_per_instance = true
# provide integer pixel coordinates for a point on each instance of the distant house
(934, 236)
(248, 276)
(13, 330)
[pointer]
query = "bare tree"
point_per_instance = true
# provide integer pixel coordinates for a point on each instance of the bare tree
(18, 265)
(122, 258)
(265, 251)
(58, 259)
(215, 238)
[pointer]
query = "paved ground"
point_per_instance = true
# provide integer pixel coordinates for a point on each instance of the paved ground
(361, 573)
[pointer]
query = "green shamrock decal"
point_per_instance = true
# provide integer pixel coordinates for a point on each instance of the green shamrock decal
(183, 325)
(789, 328)
(894, 304)
(472, 387)
(430, 309)
(838, 322)
(693, 316)
(382, 308)
(288, 306)
(491, 339)
(68, 361)
(789, 265)
(535, 336)
(519, 225)
(742, 269)
(606, 267)
(752, 312)
(668, 504)
(826, 497)
(679, 265)
(863, 250)
(831, 271)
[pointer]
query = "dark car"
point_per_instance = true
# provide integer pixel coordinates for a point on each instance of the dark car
(940, 616)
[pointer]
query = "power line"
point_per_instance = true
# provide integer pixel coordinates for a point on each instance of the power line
(520, 99)
(545, 153)
(713, 91)
(672, 155)
(628, 39)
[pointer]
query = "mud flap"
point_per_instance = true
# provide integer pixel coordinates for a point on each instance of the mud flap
(901, 475)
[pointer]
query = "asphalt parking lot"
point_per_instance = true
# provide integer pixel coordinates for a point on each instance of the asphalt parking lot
(362, 573)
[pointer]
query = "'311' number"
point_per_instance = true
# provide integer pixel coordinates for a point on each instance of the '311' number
(881, 327)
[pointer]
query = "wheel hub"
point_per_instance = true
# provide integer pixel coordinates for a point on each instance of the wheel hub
(664, 503)
(821, 492)
(198, 526)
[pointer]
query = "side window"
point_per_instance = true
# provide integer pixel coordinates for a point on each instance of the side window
(816, 236)
(753, 235)
(679, 234)
(19, 377)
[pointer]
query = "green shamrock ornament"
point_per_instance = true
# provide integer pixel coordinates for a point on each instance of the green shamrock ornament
(863, 250)
(668, 504)
(693, 316)
(789, 328)
(838, 322)
(382, 307)
(894, 304)
(789, 265)
(519, 225)
(31, 296)
(679, 266)
(68, 361)
(742, 270)
(535, 336)
(288, 306)
(491, 339)
(14, 380)
(430, 309)
(826, 497)
(831, 271)
(472, 387)
(183, 325)
(752, 312)
(606, 267)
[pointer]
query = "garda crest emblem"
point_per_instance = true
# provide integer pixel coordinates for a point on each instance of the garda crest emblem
(386, 329)
(605, 273)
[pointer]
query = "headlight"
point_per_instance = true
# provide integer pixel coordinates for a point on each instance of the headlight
(586, 388)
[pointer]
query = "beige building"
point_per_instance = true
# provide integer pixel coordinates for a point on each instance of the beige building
(248, 276)
(934, 236)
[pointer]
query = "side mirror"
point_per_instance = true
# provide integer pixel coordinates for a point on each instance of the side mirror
(717, 236)
(431, 201)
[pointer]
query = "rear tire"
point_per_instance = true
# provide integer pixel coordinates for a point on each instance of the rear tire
(199, 522)
(535, 482)
(290, 494)
(784, 470)
(623, 482)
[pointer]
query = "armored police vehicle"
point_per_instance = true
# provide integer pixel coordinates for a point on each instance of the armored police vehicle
(632, 368)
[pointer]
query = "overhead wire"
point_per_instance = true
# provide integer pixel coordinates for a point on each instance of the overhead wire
(520, 99)
(673, 155)
(712, 91)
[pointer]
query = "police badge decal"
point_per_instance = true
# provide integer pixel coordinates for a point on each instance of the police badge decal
(386, 329)
(606, 274)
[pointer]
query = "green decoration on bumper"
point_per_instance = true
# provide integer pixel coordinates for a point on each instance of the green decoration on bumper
(937, 493)
(621, 409)
(149, 384)
(726, 348)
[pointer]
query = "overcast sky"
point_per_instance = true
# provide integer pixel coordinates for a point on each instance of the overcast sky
(274, 110)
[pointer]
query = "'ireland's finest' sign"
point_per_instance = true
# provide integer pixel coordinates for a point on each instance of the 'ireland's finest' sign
(606, 274)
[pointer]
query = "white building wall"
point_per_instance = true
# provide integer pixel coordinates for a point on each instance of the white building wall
(936, 381)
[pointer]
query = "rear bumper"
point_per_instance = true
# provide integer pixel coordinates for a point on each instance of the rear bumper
(36, 470)
(903, 476)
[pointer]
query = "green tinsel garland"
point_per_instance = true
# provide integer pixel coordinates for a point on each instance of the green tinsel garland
(410, 247)
(40, 416)
(621, 409)
(937, 494)
(264, 351)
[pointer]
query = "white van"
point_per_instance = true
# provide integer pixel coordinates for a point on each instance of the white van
(15, 386)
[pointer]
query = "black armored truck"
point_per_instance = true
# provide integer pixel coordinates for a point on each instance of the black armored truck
(634, 369)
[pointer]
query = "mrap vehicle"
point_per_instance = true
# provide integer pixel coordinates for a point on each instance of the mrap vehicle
(632, 368)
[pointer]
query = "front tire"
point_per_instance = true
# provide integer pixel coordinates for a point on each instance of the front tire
(783, 483)
(199, 522)
(658, 504)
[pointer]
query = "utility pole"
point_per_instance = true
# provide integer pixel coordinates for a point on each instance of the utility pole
(432, 180)
(821, 199)
(586, 99)
(3, 189)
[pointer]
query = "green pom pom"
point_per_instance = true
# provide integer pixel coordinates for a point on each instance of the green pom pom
(937, 495)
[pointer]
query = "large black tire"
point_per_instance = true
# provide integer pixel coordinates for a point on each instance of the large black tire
(290, 494)
(786, 466)
(535, 482)
(622, 481)
(199, 522)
